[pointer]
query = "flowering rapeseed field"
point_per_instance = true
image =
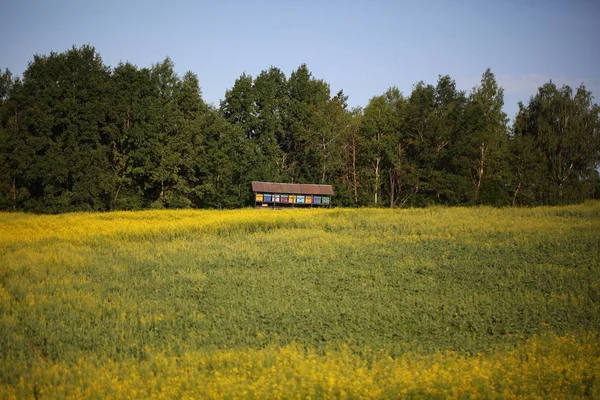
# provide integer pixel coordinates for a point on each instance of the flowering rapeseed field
(424, 303)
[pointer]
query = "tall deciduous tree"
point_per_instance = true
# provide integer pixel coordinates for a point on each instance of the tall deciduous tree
(63, 102)
(381, 129)
(526, 172)
(239, 106)
(271, 96)
(565, 128)
(305, 95)
(327, 126)
(486, 140)
(13, 153)
(349, 185)
(434, 123)
(134, 106)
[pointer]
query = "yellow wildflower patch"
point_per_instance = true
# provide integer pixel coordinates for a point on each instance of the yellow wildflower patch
(341, 303)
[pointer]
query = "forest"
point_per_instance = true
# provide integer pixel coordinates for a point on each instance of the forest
(78, 135)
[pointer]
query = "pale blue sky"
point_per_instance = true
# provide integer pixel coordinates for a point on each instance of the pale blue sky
(363, 47)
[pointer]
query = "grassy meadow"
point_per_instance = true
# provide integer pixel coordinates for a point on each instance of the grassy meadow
(341, 303)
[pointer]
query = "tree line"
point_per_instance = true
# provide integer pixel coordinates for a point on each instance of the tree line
(76, 134)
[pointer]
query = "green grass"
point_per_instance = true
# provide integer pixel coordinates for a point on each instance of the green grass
(122, 286)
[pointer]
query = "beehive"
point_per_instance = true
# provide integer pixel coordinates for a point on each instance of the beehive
(291, 194)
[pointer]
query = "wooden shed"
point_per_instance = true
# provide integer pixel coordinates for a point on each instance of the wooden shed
(272, 194)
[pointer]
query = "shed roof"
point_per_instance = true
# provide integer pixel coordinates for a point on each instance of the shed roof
(293, 188)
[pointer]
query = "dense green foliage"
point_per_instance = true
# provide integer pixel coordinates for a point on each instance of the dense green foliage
(78, 135)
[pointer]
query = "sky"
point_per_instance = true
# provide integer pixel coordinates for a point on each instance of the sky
(362, 47)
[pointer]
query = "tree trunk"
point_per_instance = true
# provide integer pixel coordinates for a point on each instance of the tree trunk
(563, 177)
(377, 164)
(324, 161)
(116, 197)
(396, 178)
(413, 191)
(13, 191)
(354, 173)
(515, 195)
(480, 169)
(392, 187)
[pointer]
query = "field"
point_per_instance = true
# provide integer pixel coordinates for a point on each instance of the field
(435, 302)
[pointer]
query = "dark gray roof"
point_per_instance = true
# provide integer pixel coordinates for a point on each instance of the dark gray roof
(292, 188)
